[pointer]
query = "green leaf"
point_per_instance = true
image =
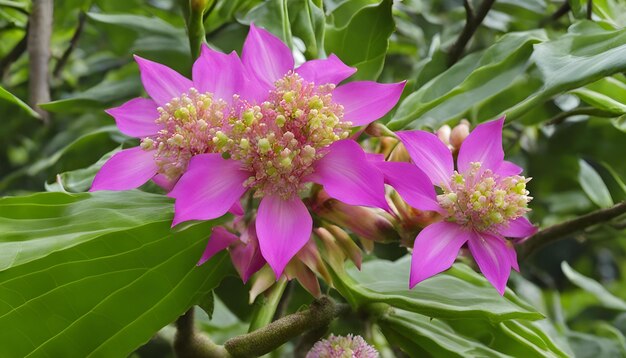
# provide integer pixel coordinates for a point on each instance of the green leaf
(584, 55)
(307, 23)
(457, 293)
(474, 79)
(96, 274)
(432, 336)
(11, 98)
(606, 298)
(364, 40)
(272, 15)
(593, 185)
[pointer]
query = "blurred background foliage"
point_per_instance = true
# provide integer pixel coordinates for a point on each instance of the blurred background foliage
(558, 76)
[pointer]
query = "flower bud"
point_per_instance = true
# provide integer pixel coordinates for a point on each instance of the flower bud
(459, 133)
(367, 223)
(443, 133)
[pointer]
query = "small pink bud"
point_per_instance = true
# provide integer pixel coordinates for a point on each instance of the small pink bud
(443, 133)
(459, 133)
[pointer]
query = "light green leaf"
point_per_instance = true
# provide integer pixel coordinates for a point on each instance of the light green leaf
(416, 333)
(364, 40)
(11, 98)
(606, 298)
(601, 101)
(96, 274)
(593, 185)
(457, 293)
(307, 23)
(474, 79)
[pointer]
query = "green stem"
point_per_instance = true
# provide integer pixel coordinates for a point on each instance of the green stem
(266, 339)
(195, 25)
(284, 14)
(265, 306)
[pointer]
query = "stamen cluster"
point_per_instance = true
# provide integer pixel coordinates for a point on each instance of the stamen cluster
(484, 200)
(280, 140)
(190, 123)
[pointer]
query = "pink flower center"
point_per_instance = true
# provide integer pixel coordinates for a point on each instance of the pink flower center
(280, 140)
(189, 122)
(484, 200)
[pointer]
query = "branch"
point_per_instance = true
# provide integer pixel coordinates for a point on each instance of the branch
(39, 31)
(562, 10)
(473, 20)
(73, 43)
(188, 343)
(559, 231)
(589, 9)
(264, 340)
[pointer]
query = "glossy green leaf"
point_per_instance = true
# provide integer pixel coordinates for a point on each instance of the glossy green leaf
(606, 298)
(593, 185)
(364, 40)
(474, 79)
(308, 24)
(432, 336)
(457, 293)
(105, 263)
(584, 55)
(11, 98)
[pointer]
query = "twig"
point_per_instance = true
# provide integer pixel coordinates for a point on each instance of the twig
(73, 43)
(562, 10)
(39, 31)
(264, 340)
(589, 9)
(473, 20)
(13, 55)
(560, 231)
(188, 343)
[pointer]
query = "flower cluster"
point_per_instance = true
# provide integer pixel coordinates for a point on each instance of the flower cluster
(255, 132)
(342, 347)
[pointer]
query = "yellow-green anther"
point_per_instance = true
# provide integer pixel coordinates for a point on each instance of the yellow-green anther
(147, 144)
(244, 144)
(182, 113)
(264, 145)
(289, 96)
(316, 103)
(280, 120)
(285, 162)
(248, 117)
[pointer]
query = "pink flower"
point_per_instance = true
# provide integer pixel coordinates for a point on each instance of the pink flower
(342, 347)
(274, 146)
(179, 120)
(482, 202)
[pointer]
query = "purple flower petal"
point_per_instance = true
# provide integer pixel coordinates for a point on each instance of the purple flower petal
(219, 240)
(266, 56)
(164, 182)
(365, 101)
(494, 258)
(508, 169)
(137, 117)
(220, 74)
(518, 228)
(125, 170)
(483, 145)
(246, 255)
(411, 183)
(208, 189)
(435, 249)
(161, 82)
(429, 154)
(347, 175)
(283, 227)
(328, 70)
